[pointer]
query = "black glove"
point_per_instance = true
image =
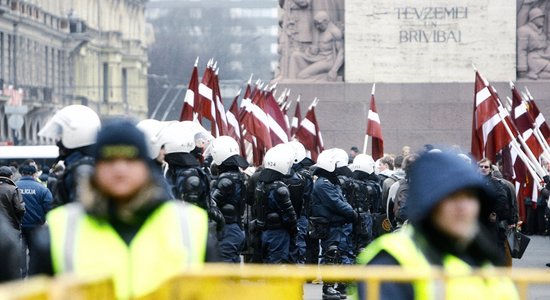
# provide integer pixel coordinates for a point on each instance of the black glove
(293, 231)
(546, 179)
(355, 217)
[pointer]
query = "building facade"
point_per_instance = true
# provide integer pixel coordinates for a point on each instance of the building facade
(61, 52)
(243, 40)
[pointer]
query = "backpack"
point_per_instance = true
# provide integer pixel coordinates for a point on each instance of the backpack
(400, 201)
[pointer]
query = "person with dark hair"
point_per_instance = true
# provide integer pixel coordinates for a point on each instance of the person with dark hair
(123, 224)
(501, 213)
(38, 201)
(448, 202)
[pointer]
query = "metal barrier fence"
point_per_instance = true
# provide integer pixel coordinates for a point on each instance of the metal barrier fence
(225, 281)
(63, 287)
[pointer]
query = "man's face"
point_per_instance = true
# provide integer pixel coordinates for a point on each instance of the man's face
(457, 215)
(539, 21)
(382, 166)
(321, 24)
(120, 179)
(484, 168)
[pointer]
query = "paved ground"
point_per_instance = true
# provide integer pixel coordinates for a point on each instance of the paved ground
(536, 256)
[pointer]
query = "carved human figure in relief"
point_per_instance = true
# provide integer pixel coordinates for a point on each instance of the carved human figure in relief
(533, 59)
(323, 59)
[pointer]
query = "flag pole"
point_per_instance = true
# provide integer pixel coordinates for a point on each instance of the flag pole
(365, 144)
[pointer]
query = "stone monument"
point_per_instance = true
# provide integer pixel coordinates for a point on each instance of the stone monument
(419, 53)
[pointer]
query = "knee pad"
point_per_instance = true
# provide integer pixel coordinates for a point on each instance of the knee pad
(332, 255)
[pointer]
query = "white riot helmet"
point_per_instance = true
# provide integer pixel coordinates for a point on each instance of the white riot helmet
(299, 151)
(152, 129)
(341, 157)
(327, 160)
(177, 139)
(222, 148)
(75, 125)
(363, 162)
(279, 158)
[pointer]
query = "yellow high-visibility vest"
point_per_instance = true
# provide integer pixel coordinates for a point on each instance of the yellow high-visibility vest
(460, 284)
(171, 240)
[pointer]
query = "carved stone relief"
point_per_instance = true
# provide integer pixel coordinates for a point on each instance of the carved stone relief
(311, 40)
(533, 53)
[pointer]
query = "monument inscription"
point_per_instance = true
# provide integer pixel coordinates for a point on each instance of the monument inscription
(435, 41)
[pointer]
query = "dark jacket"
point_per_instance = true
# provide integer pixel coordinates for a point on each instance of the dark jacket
(78, 166)
(10, 247)
(329, 202)
(38, 201)
(11, 202)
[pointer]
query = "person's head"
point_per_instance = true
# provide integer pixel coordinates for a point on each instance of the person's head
(226, 151)
(279, 158)
(536, 15)
(27, 170)
(330, 159)
(177, 138)
(152, 129)
(6, 171)
(398, 162)
(408, 162)
(122, 161)
(321, 20)
(406, 150)
(363, 163)
(72, 127)
(385, 163)
(299, 151)
(353, 151)
(446, 192)
(485, 166)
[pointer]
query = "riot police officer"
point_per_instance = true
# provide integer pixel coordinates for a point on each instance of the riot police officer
(276, 214)
(331, 213)
(74, 130)
(367, 192)
(228, 191)
(187, 179)
(306, 249)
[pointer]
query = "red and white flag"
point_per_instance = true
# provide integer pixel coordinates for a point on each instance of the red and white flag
(233, 126)
(537, 116)
(255, 120)
(276, 120)
(221, 118)
(191, 101)
(524, 122)
(489, 132)
(374, 130)
(208, 107)
(297, 119)
(309, 133)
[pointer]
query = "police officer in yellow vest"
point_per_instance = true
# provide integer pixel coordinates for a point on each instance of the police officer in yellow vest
(447, 198)
(123, 224)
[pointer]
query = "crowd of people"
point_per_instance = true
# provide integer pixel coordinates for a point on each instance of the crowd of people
(165, 196)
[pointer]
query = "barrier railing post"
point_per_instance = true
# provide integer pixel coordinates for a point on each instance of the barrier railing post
(373, 288)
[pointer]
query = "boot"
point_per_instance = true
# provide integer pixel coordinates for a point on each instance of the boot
(329, 293)
(342, 289)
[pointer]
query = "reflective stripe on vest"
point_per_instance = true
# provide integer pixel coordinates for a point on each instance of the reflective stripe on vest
(460, 285)
(172, 239)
